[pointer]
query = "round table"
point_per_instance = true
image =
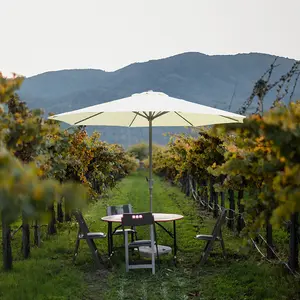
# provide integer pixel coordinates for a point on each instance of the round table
(158, 218)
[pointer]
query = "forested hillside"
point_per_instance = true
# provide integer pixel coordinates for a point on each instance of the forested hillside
(222, 81)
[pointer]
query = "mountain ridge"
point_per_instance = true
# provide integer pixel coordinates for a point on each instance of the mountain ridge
(151, 60)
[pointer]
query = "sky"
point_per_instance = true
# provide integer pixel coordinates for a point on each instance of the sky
(47, 35)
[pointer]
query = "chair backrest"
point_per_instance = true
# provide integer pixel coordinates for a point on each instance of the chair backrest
(81, 222)
(137, 219)
(119, 209)
(219, 222)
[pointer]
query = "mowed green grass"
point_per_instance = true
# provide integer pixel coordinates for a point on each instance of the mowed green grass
(50, 274)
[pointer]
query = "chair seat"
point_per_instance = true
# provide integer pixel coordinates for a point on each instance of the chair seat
(120, 231)
(140, 243)
(93, 235)
(205, 237)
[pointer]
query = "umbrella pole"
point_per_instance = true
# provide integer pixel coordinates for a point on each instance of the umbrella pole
(150, 161)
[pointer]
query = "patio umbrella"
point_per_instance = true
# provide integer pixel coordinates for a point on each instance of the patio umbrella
(148, 109)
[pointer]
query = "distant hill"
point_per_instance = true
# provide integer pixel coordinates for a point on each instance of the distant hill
(196, 77)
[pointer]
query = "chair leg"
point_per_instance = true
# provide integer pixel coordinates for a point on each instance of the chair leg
(156, 245)
(76, 249)
(98, 259)
(206, 246)
(132, 235)
(126, 251)
(207, 250)
(76, 245)
(152, 248)
(153, 263)
(112, 244)
(95, 253)
(223, 249)
(222, 245)
(157, 254)
(109, 236)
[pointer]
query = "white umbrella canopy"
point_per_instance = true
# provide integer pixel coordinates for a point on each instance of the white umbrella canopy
(148, 109)
(134, 111)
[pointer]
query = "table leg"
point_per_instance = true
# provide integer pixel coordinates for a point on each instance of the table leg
(175, 241)
(173, 236)
(109, 238)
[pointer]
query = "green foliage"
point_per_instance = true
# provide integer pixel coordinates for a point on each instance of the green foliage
(41, 164)
(260, 156)
(265, 158)
(53, 158)
(24, 133)
(73, 155)
(22, 190)
(139, 151)
(8, 86)
(281, 126)
(49, 153)
(189, 155)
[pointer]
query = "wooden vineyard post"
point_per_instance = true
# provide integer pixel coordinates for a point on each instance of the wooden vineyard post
(187, 185)
(222, 194)
(230, 222)
(294, 242)
(240, 220)
(60, 213)
(6, 245)
(37, 234)
(25, 236)
(205, 194)
(51, 225)
(211, 193)
(216, 208)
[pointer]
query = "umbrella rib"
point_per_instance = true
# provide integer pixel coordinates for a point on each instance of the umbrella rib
(161, 113)
(156, 114)
(183, 118)
(146, 116)
(88, 118)
(230, 118)
(141, 115)
(133, 119)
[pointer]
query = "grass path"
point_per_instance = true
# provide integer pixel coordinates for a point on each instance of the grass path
(49, 274)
